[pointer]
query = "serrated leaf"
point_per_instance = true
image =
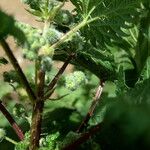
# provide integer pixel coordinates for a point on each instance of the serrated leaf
(142, 49)
(113, 15)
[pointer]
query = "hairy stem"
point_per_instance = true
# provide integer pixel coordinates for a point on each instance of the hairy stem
(37, 113)
(11, 140)
(36, 75)
(92, 107)
(13, 123)
(73, 31)
(84, 137)
(57, 76)
(18, 69)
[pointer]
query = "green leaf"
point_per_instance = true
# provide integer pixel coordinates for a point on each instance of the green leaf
(11, 77)
(140, 94)
(143, 44)
(100, 63)
(3, 61)
(146, 71)
(113, 16)
(6, 23)
(23, 145)
(5, 89)
(8, 27)
(142, 50)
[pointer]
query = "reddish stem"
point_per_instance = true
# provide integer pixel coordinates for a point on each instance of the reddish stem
(37, 113)
(57, 76)
(84, 137)
(14, 125)
(92, 108)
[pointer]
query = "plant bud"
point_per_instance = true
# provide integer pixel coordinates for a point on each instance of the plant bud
(74, 80)
(64, 17)
(46, 63)
(51, 35)
(46, 50)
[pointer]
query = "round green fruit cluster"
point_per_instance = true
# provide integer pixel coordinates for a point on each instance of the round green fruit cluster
(46, 64)
(74, 80)
(51, 35)
(34, 40)
(64, 17)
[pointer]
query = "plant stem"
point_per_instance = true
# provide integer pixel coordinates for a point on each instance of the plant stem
(57, 76)
(73, 31)
(92, 107)
(14, 125)
(37, 113)
(18, 69)
(10, 140)
(84, 137)
(36, 75)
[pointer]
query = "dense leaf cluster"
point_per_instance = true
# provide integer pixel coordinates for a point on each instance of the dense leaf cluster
(109, 39)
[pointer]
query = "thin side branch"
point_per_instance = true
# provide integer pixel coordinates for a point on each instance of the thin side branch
(12, 122)
(84, 137)
(92, 107)
(59, 98)
(57, 76)
(18, 69)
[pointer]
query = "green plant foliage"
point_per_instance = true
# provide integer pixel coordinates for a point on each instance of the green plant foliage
(141, 47)
(2, 134)
(23, 144)
(10, 77)
(44, 9)
(70, 137)
(6, 29)
(3, 61)
(112, 17)
(34, 40)
(5, 89)
(140, 93)
(100, 63)
(51, 35)
(126, 120)
(64, 17)
(50, 142)
(108, 42)
(126, 127)
(19, 111)
(74, 80)
(5, 22)
(47, 64)
(146, 71)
